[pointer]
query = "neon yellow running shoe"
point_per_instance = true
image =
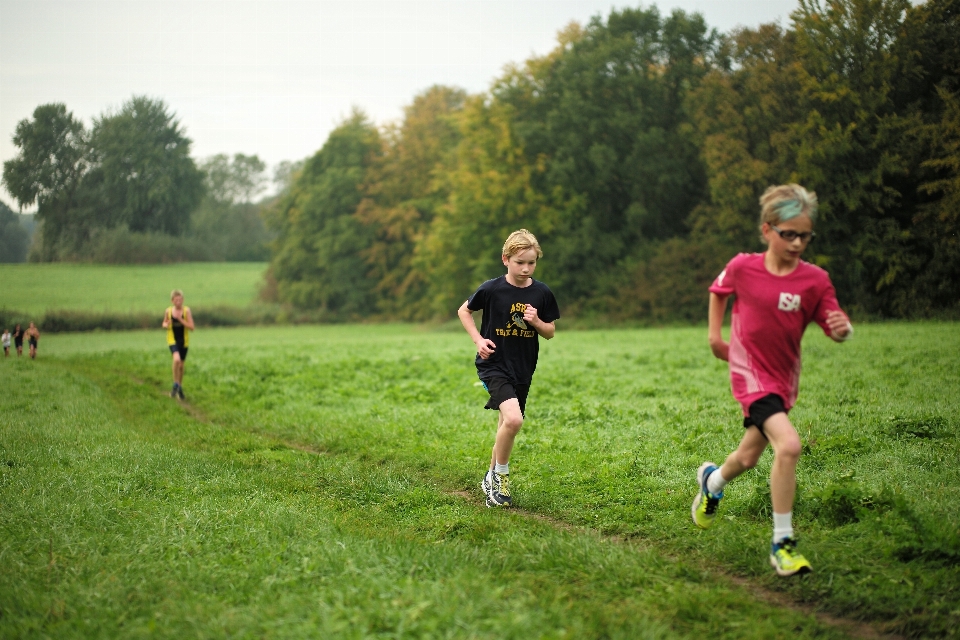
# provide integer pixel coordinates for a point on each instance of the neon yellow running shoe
(499, 493)
(704, 508)
(786, 560)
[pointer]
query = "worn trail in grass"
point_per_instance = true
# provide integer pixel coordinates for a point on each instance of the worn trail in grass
(216, 512)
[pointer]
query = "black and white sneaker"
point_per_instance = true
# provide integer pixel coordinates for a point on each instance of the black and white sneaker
(173, 392)
(487, 483)
(180, 392)
(499, 493)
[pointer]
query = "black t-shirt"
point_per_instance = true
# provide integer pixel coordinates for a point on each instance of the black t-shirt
(517, 343)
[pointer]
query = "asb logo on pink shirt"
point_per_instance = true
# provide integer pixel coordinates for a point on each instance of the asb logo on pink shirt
(789, 302)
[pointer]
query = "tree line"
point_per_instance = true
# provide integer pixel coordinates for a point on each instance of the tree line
(127, 189)
(636, 150)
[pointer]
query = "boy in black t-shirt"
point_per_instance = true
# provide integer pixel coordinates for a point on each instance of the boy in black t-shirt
(516, 311)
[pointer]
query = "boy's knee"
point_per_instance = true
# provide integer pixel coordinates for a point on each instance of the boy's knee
(789, 449)
(748, 460)
(512, 421)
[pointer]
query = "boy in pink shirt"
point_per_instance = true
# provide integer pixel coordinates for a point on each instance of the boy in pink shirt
(777, 296)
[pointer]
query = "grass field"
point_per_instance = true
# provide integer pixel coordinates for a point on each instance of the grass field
(36, 288)
(321, 481)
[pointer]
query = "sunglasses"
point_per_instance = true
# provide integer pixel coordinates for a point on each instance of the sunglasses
(790, 235)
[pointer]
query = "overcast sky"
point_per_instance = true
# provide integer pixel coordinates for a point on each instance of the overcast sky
(273, 77)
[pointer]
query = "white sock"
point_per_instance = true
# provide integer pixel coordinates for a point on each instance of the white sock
(502, 469)
(782, 526)
(716, 483)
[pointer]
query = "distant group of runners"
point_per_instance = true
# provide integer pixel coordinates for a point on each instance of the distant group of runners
(776, 296)
(32, 334)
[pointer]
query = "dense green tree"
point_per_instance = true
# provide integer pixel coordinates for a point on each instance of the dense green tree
(143, 173)
(48, 172)
(318, 254)
(738, 114)
(845, 144)
(14, 238)
(938, 222)
(846, 103)
(603, 116)
(921, 271)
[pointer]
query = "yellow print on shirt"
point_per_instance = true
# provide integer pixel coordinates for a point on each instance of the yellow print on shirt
(516, 325)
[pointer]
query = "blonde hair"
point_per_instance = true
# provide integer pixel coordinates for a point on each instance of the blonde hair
(521, 240)
(175, 293)
(785, 202)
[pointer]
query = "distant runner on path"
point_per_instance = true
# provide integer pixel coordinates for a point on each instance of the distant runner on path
(777, 296)
(6, 343)
(178, 321)
(33, 336)
(18, 340)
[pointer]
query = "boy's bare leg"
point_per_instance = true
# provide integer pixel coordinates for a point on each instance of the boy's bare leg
(508, 426)
(493, 452)
(786, 449)
(746, 455)
(177, 368)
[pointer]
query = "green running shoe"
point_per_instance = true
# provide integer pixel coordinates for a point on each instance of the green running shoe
(786, 560)
(499, 493)
(704, 508)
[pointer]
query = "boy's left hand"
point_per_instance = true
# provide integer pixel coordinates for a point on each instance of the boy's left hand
(839, 323)
(530, 314)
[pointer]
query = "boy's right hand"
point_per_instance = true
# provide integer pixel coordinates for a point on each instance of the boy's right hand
(485, 348)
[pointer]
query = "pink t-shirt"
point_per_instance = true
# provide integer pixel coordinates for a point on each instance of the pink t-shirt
(770, 314)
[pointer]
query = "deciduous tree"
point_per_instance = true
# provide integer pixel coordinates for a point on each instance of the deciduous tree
(318, 254)
(48, 172)
(403, 191)
(143, 172)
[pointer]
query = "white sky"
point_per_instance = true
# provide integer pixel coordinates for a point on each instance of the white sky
(273, 77)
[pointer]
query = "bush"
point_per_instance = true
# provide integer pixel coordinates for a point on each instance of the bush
(671, 285)
(10, 318)
(14, 238)
(122, 246)
(61, 321)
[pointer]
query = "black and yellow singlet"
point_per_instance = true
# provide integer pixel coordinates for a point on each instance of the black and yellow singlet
(176, 331)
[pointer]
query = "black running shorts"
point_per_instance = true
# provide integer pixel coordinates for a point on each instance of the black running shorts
(762, 409)
(501, 390)
(174, 348)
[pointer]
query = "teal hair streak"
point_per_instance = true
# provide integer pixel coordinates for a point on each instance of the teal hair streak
(788, 209)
